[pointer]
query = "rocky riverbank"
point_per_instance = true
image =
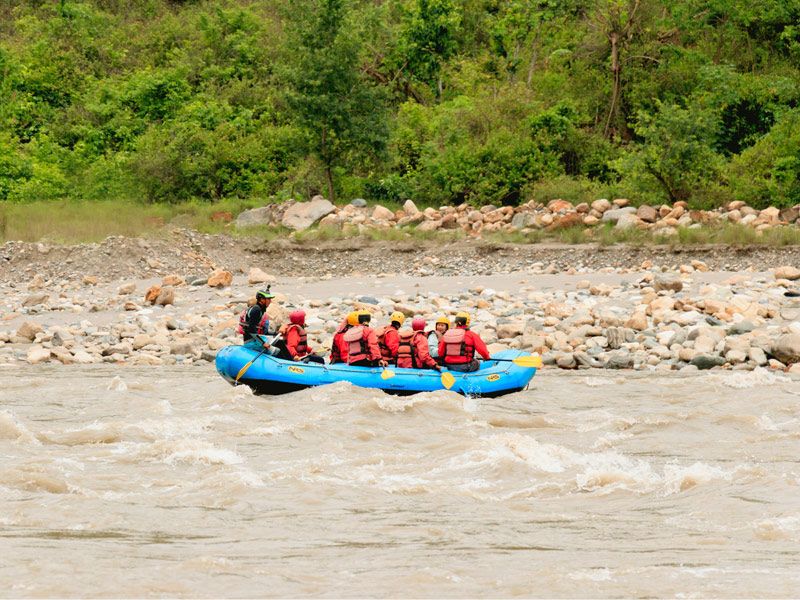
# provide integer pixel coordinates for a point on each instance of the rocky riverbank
(663, 221)
(649, 314)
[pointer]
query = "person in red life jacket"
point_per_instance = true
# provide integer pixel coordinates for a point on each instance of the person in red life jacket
(296, 347)
(413, 352)
(362, 343)
(459, 345)
(338, 345)
(254, 321)
(388, 338)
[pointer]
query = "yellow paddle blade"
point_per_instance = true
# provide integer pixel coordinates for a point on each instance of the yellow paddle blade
(532, 362)
(387, 374)
(243, 370)
(448, 380)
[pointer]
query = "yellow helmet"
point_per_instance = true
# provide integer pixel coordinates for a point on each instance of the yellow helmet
(397, 316)
(444, 320)
(352, 318)
(461, 315)
(364, 316)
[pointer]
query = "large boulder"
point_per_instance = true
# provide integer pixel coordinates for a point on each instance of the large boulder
(613, 215)
(646, 213)
(667, 281)
(707, 361)
(36, 299)
(787, 272)
(410, 208)
(28, 330)
(303, 215)
(254, 217)
(787, 348)
(37, 354)
(220, 278)
(381, 213)
(256, 275)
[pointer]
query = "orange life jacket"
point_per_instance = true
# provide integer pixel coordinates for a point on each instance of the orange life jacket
(406, 349)
(357, 347)
(302, 343)
(458, 345)
(263, 324)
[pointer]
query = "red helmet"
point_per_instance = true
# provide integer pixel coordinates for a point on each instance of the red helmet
(297, 317)
(418, 324)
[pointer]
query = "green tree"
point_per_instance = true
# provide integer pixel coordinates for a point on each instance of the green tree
(677, 152)
(333, 102)
(428, 40)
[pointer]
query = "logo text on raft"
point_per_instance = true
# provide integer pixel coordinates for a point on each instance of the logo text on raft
(294, 369)
(493, 377)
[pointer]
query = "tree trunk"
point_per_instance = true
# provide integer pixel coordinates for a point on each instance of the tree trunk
(616, 69)
(329, 177)
(326, 159)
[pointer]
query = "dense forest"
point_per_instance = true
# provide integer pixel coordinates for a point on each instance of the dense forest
(441, 101)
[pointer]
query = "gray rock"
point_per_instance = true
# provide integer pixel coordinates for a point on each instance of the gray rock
(359, 202)
(787, 348)
(197, 280)
(667, 281)
(254, 217)
(707, 361)
(741, 327)
(36, 299)
(627, 221)
(614, 215)
(619, 360)
(368, 300)
(208, 355)
(617, 336)
(522, 219)
(584, 360)
(303, 215)
(181, 348)
(758, 356)
(566, 361)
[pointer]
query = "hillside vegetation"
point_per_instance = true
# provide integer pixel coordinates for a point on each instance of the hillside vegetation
(442, 101)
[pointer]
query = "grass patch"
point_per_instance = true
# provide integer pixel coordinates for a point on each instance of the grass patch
(70, 222)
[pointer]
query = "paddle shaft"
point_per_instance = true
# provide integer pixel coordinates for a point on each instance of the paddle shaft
(244, 369)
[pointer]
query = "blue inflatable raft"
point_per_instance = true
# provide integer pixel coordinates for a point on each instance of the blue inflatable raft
(270, 375)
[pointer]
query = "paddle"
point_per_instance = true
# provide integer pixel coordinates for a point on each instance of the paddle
(448, 380)
(530, 361)
(243, 370)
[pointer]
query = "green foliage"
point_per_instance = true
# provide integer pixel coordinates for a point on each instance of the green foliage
(436, 100)
(770, 170)
(676, 155)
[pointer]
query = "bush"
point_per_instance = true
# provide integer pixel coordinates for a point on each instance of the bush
(768, 173)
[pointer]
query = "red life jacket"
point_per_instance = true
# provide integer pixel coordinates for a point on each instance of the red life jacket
(458, 348)
(302, 343)
(386, 353)
(262, 324)
(405, 353)
(336, 355)
(357, 347)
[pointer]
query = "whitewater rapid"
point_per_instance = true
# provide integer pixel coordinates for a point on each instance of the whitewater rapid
(168, 482)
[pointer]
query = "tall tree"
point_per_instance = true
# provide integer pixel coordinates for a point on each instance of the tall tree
(340, 110)
(618, 21)
(428, 40)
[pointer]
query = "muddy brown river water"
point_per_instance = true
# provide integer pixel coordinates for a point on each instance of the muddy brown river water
(168, 482)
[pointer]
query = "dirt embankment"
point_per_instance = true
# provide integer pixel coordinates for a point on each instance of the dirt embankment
(189, 253)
